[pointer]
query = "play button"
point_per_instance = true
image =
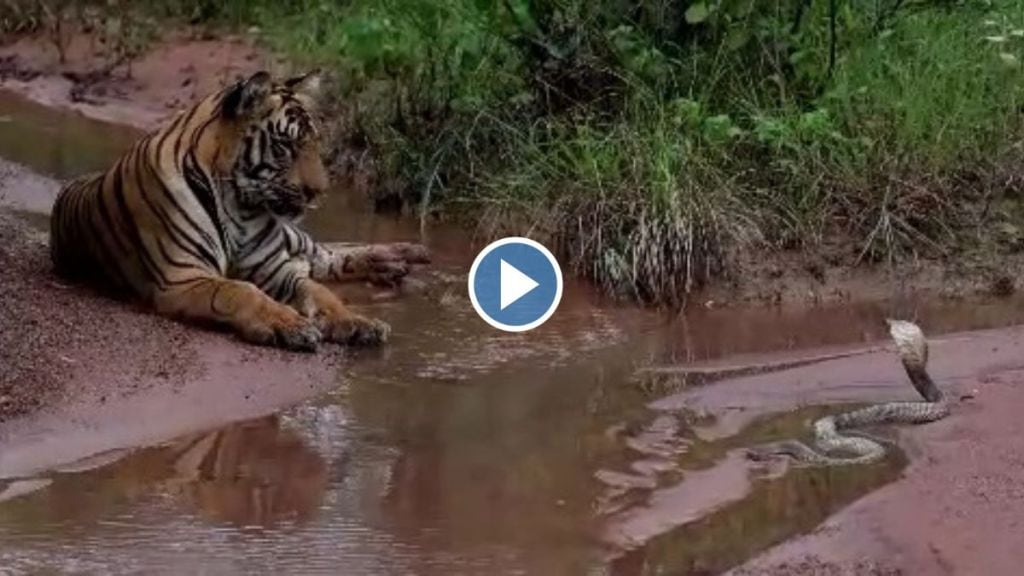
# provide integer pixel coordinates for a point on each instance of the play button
(515, 284)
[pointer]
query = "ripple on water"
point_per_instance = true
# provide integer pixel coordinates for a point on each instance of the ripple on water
(293, 494)
(720, 508)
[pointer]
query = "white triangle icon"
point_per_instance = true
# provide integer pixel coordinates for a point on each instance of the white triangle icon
(514, 284)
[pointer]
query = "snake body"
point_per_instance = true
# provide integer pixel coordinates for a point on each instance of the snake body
(913, 351)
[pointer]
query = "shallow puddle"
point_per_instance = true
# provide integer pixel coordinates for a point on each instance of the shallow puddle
(776, 509)
(456, 449)
(738, 509)
(54, 143)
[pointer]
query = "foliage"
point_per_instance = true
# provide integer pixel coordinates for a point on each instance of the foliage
(655, 139)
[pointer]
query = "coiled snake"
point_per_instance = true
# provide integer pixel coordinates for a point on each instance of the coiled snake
(913, 351)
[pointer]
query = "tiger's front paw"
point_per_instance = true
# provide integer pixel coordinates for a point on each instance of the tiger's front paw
(380, 264)
(302, 338)
(356, 330)
(284, 329)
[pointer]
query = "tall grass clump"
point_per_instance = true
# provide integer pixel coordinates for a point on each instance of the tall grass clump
(635, 202)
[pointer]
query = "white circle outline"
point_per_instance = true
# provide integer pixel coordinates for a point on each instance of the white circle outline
(558, 283)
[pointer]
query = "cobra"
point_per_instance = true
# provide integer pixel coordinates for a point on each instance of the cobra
(912, 348)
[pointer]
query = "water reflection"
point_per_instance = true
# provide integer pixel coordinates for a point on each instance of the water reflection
(775, 504)
(56, 143)
(775, 510)
(408, 491)
(497, 474)
(249, 474)
(702, 334)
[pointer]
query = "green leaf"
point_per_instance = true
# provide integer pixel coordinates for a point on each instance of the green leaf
(718, 129)
(737, 8)
(697, 13)
(737, 38)
(686, 113)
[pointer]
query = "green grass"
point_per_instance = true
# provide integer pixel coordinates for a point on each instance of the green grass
(933, 88)
(657, 142)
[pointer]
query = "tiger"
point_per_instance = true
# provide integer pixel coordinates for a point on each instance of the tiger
(198, 220)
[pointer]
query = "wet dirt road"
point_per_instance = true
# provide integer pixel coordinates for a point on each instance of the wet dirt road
(588, 446)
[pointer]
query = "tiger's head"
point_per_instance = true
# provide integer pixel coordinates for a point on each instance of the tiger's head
(278, 166)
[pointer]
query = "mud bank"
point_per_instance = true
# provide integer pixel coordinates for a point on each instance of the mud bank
(75, 358)
(179, 69)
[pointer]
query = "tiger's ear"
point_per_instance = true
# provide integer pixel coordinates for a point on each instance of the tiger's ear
(247, 98)
(307, 85)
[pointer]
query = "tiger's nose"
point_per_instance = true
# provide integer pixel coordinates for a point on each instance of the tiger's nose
(312, 193)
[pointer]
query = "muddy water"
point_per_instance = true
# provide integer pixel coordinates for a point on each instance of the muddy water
(56, 144)
(456, 449)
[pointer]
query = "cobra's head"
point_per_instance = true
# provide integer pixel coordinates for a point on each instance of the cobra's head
(279, 166)
(910, 342)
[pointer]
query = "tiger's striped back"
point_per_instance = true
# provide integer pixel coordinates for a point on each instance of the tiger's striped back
(150, 220)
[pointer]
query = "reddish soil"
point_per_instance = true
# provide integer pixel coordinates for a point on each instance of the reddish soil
(173, 73)
(25, 191)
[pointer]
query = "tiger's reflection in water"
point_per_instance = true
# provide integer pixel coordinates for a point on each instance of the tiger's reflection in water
(253, 474)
